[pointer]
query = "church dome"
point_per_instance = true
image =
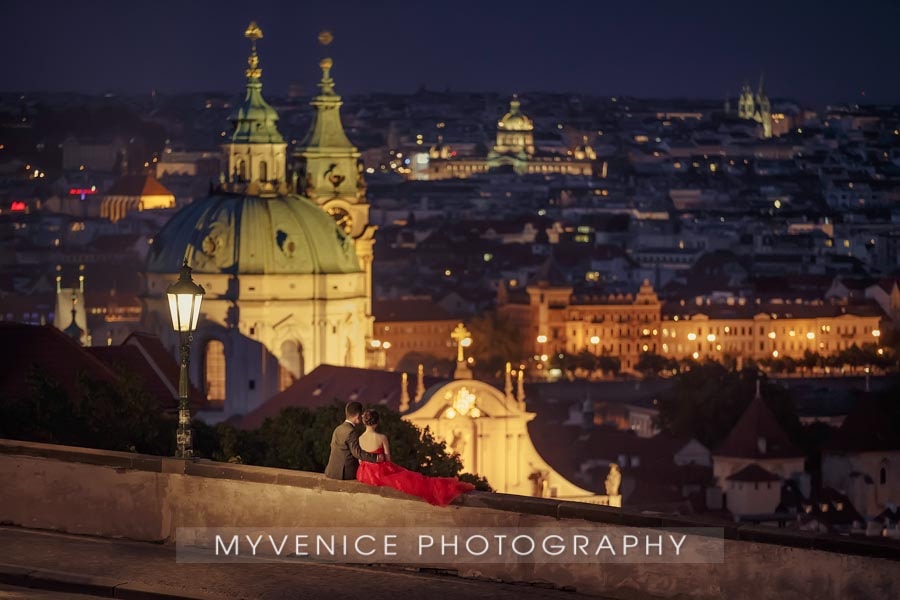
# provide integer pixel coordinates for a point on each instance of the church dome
(585, 151)
(515, 120)
(234, 233)
(440, 149)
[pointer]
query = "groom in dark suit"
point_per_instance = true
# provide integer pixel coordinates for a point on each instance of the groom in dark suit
(345, 451)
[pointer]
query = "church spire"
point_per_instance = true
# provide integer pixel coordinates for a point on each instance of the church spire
(326, 132)
(73, 330)
(254, 120)
(253, 33)
(327, 162)
(256, 152)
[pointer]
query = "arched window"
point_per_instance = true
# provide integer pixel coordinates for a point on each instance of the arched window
(242, 170)
(290, 367)
(882, 475)
(214, 372)
(263, 171)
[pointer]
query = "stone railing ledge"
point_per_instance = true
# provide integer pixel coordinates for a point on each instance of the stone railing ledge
(825, 542)
(525, 506)
(528, 505)
(90, 456)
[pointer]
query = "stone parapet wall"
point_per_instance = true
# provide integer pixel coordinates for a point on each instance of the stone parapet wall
(140, 497)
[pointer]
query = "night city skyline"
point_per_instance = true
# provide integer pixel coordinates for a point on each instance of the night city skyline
(811, 52)
(458, 299)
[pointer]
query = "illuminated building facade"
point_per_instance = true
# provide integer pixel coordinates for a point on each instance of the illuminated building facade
(513, 147)
(414, 326)
(554, 321)
(488, 429)
(135, 193)
(285, 291)
(629, 325)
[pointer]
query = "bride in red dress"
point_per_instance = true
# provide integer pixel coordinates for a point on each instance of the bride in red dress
(436, 490)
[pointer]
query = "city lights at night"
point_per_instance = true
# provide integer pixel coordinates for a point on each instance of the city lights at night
(450, 300)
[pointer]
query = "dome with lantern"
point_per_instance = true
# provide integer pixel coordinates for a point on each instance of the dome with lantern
(515, 120)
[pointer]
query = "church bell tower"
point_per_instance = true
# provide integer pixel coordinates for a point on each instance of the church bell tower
(256, 153)
(328, 170)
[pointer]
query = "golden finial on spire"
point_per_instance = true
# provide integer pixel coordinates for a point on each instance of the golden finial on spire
(327, 83)
(253, 33)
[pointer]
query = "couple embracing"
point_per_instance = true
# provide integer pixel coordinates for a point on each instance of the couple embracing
(367, 458)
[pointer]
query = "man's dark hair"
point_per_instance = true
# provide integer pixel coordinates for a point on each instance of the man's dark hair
(354, 409)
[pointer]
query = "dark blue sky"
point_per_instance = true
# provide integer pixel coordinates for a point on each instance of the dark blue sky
(816, 51)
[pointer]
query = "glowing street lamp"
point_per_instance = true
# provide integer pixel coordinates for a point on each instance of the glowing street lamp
(185, 297)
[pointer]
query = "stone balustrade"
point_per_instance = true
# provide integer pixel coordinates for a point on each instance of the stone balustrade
(140, 497)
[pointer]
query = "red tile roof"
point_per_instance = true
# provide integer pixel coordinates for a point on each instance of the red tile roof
(758, 435)
(53, 354)
(753, 473)
(138, 185)
(145, 356)
(26, 348)
(329, 383)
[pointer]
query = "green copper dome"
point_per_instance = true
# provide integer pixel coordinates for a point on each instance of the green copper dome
(233, 233)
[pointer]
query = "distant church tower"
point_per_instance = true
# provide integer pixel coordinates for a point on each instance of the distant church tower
(328, 171)
(763, 110)
(756, 107)
(70, 315)
(746, 104)
(256, 153)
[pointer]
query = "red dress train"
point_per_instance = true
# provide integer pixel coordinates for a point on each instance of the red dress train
(439, 491)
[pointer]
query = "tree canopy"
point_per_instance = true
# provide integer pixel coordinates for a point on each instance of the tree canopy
(706, 401)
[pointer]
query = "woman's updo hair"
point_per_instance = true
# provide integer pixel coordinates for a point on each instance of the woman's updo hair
(370, 417)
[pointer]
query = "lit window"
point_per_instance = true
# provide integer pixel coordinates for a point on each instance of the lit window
(214, 371)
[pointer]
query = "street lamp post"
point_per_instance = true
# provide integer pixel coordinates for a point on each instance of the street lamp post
(185, 297)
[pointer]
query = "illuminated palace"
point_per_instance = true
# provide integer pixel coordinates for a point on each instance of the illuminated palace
(283, 250)
(513, 148)
(628, 325)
